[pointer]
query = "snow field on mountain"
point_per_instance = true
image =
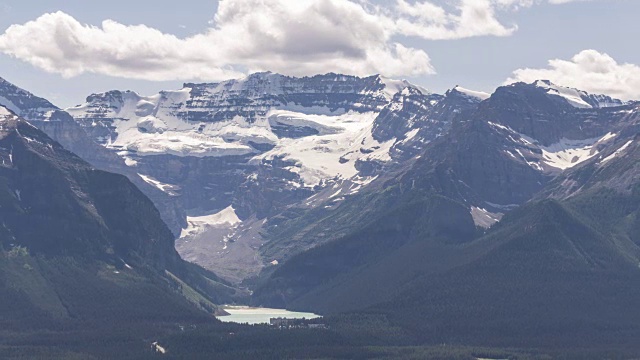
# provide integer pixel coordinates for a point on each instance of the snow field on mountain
(164, 187)
(320, 157)
(578, 98)
(572, 96)
(148, 126)
(225, 218)
(569, 153)
(617, 152)
(472, 93)
(484, 218)
(562, 155)
(4, 111)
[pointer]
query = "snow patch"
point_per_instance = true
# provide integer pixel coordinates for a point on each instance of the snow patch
(484, 218)
(392, 87)
(562, 155)
(151, 124)
(182, 145)
(130, 162)
(293, 119)
(500, 126)
(616, 153)
(472, 93)
(166, 188)
(4, 111)
(572, 96)
(578, 98)
(410, 135)
(332, 155)
(155, 346)
(222, 219)
(569, 153)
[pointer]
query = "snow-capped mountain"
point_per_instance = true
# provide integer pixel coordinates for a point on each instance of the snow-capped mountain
(71, 221)
(231, 164)
(23, 103)
(521, 145)
(61, 127)
(578, 98)
(257, 145)
(496, 155)
(530, 133)
(241, 117)
(553, 128)
(332, 193)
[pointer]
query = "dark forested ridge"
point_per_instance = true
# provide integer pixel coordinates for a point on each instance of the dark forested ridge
(550, 275)
(84, 254)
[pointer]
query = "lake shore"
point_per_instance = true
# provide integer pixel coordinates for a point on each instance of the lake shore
(257, 315)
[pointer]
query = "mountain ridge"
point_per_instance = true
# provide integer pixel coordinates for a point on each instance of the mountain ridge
(269, 143)
(86, 217)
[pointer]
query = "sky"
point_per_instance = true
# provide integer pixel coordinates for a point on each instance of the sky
(67, 50)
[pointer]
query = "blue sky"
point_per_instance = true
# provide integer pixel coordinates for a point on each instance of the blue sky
(438, 46)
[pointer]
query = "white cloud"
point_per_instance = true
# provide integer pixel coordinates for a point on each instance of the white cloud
(588, 70)
(299, 37)
(472, 18)
(58, 43)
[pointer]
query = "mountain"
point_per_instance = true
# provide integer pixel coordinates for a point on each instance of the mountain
(61, 127)
(496, 157)
(505, 220)
(498, 161)
(239, 153)
(613, 168)
(549, 275)
(558, 268)
(261, 163)
(516, 141)
(83, 250)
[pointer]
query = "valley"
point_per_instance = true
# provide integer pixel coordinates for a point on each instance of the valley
(406, 219)
(320, 179)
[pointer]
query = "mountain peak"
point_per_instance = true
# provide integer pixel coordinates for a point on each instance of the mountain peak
(22, 102)
(577, 98)
(10, 122)
(480, 95)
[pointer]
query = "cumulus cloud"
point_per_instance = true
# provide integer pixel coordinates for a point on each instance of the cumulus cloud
(472, 18)
(299, 37)
(588, 70)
